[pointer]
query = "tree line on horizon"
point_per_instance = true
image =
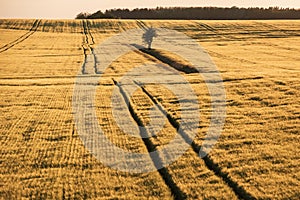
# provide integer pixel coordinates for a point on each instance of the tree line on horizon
(196, 13)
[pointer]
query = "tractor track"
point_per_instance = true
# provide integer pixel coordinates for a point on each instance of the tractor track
(215, 31)
(240, 192)
(88, 66)
(141, 25)
(242, 60)
(164, 173)
(261, 33)
(210, 164)
(273, 28)
(32, 30)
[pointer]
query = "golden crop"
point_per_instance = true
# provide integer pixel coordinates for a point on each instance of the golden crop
(42, 156)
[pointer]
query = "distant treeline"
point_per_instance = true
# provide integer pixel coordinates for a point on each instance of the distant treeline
(195, 13)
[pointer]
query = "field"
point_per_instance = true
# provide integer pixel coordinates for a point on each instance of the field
(42, 156)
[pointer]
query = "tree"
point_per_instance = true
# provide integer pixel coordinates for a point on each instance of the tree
(83, 15)
(99, 15)
(196, 13)
(148, 36)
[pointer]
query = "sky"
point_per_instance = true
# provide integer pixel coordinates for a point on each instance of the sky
(68, 9)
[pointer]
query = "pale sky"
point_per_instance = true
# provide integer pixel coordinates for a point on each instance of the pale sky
(68, 9)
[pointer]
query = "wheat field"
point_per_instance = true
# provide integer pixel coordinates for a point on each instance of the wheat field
(256, 157)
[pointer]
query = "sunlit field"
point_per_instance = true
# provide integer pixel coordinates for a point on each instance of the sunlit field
(256, 157)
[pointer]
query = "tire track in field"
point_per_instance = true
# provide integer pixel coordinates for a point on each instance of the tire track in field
(242, 60)
(220, 55)
(141, 25)
(32, 30)
(276, 46)
(209, 162)
(164, 173)
(268, 32)
(273, 28)
(89, 65)
(215, 31)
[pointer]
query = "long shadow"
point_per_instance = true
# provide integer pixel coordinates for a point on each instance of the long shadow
(156, 54)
